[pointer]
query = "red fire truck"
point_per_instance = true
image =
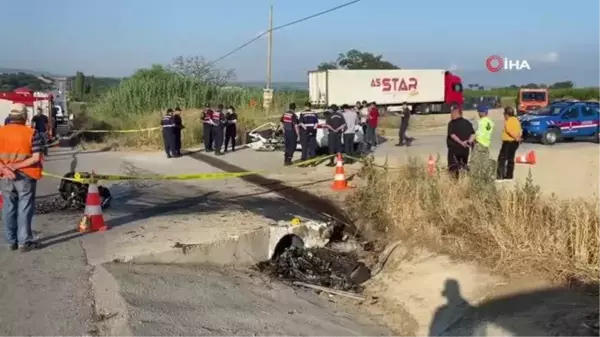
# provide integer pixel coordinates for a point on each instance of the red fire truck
(32, 101)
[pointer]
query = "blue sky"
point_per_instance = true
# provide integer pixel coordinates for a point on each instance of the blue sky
(115, 37)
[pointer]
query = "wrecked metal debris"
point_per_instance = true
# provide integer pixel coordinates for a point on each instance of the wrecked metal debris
(55, 204)
(318, 266)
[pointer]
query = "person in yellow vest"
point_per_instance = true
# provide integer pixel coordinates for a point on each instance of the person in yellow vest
(21, 150)
(483, 140)
(511, 137)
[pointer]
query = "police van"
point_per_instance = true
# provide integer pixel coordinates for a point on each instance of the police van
(562, 121)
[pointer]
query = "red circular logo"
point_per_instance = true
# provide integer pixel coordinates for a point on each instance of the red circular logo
(494, 63)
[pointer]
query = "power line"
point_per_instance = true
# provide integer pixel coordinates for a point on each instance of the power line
(280, 27)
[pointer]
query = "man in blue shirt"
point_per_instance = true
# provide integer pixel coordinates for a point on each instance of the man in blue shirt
(41, 124)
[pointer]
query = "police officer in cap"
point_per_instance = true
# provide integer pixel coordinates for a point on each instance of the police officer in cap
(289, 124)
(207, 128)
(308, 132)
(230, 128)
(218, 120)
(335, 127)
(167, 125)
(178, 126)
(405, 118)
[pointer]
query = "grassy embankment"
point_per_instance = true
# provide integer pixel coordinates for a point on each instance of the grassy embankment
(140, 101)
(518, 230)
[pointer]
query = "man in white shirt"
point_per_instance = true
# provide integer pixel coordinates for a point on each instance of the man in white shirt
(351, 119)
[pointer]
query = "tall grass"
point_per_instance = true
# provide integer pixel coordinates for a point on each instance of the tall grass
(141, 100)
(512, 229)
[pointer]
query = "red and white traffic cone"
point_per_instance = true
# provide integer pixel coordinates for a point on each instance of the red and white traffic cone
(92, 220)
(339, 179)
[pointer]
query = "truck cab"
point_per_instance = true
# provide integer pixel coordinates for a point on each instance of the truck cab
(531, 99)
(562, 121)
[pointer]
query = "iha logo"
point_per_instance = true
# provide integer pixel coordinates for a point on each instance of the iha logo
(496, 63)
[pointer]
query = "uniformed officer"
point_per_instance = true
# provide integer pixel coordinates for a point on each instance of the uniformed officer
(289, 124)
(230, 127)
(335, 127)
(218, 120)
(167, 125)
(480, 154)
(207, 128)
(405, 118)
(178, 126)
(308, 132)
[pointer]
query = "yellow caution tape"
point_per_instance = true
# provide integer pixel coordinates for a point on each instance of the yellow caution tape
(118, 131)
(192, 176)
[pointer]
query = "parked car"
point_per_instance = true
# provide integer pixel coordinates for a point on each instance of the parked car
(562, 121)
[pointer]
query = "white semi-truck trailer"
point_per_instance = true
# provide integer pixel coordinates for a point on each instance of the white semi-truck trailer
(423, 90)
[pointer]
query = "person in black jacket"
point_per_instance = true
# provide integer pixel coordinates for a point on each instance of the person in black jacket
(167, 132)
(178, 126)
(335, 124)
(218, 124)
(230, 127)
(461, 136)
(207, 128)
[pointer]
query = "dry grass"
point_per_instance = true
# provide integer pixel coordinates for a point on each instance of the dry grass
(152, 140)
(513, 230)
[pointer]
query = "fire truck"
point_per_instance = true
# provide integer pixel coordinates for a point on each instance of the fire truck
(32, 101)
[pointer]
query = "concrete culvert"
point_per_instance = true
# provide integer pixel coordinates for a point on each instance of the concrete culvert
(287, 242)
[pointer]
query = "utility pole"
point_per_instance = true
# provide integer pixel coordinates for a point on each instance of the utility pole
(268, 92)
(270, 48)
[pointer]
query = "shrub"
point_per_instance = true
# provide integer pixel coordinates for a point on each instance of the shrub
(513, 229)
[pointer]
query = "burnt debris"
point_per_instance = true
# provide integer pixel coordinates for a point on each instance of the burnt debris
(56, 204)
(318, 266)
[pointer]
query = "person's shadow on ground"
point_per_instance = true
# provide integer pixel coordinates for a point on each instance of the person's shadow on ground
(450, 313)
(556, 311)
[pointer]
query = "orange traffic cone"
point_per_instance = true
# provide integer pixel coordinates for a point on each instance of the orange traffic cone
(430, 165)
(92, 220)
(529, 158)
(339, 179)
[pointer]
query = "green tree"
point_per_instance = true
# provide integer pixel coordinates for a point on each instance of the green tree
(201, 69)
(79, 86)
(327, 66)
(355, 59)
(562, 85)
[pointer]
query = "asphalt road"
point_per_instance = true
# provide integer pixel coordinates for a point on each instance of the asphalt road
(47, 292)
(435, 143)
(51, 291)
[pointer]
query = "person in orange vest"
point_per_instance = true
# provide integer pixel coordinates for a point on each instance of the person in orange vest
(21, 150)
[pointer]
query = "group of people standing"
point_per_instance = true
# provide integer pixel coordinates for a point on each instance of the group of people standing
(218, 126)
(341, 124)
(462, 138)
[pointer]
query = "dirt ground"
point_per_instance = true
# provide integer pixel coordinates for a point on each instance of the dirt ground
(421, 293)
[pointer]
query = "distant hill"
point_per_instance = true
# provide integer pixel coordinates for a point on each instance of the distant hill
(27, 71)
(15, 80)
